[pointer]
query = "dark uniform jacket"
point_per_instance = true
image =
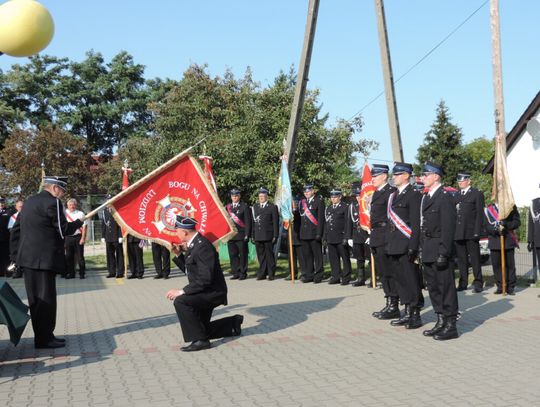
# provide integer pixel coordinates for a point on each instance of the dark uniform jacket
(37, 235)
(355, 231)
(297, 223)
(308, 230)
(204, 272)
(470, 214)
(5, 214)
(406, 205)
(133, 239)
(335, 224)
(243, 213)
(378, 216)
(533, 233)
(110, 230)
(437, 226)
(265, 222)
(511, 223)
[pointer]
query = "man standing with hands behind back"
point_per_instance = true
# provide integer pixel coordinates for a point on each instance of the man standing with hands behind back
(205, 291)
(38, 241)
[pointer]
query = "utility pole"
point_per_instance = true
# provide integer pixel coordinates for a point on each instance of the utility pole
(497, 70)
(301, 83)
(393, 122)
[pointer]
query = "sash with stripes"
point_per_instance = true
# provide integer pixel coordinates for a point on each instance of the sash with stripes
(492, 213)
(308, 213)
(396, 220)
(234, 217)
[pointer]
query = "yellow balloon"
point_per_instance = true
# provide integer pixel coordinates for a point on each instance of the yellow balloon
(26, 27)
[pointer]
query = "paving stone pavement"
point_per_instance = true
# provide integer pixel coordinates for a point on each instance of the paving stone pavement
(302, 345)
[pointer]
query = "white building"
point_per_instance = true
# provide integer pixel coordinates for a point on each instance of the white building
(523, 155)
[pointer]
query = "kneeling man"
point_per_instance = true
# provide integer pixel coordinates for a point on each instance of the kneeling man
(206, 290)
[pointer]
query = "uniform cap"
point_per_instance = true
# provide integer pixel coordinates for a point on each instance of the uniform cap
(263, 190)
(185, 222)
(462, 176)
(400, 168)
(235, 191)
(335, 192)
(56, 180)
(430, 167)
(377, 169)
(308, 187)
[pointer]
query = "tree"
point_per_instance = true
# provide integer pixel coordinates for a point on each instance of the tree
(246, 127)
(479, 151)
(443, 145)
(60, 152)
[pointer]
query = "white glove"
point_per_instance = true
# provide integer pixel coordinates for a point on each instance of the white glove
(350, 242)
(367, 241)
(102, 240)
(120, 240)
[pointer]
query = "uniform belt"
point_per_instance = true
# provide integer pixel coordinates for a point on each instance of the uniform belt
(379, 225)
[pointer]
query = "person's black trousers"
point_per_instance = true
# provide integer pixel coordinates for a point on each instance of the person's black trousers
(238, 255)
(135, 258)
(4, 257)
(336, 254)
(194, 313)
(464, 250)
(510, 268)
(407, 280)
(162, 259)
(313, 260)
(299, 263)
(115, 259)
(442, 289)
(359, 253)
(265, 256)
(74, 255)
(384, 269)
(41, 292)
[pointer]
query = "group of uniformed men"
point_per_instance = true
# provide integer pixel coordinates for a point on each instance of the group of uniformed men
(416, 237)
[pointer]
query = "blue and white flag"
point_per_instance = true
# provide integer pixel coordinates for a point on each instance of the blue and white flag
(284, 194)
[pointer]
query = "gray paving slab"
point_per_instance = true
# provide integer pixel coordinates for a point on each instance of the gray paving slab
(302, 345)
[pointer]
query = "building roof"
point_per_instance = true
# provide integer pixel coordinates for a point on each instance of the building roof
(513, 136)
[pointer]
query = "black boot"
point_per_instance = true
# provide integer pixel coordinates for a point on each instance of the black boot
(438, 326)
(361, 280)
(377, 313)
(392, 311)
(415, 321)
(404, 319)
(449, 331)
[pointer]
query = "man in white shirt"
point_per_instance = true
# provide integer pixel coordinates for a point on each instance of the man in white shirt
(74, 243)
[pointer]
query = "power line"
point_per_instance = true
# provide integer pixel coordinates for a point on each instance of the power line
(424, 57)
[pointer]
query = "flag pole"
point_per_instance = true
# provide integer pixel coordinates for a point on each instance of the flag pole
(373, 277)
(503, 268)
(291, 254)
(162, 168)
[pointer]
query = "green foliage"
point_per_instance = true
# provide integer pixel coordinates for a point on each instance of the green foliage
(443, 146)
(479, 152)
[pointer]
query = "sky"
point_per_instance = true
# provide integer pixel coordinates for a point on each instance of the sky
(168, 35)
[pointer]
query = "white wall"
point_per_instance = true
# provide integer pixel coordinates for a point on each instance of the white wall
(523, 163)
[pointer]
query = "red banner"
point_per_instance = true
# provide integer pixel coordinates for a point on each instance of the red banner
(208, 169)
(365, 198)
(149, 207)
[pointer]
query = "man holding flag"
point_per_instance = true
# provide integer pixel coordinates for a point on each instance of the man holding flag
(311, 233)
(238, 245)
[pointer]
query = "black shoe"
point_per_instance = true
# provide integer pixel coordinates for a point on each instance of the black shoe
(436, 328)
(498, 291)
(345, 282)
(306, 280)
(82, 277)
(235, 277)
(166, 277)
(52, 344)
(404, 319)
(511, 291)
(392, 311)
(57, 339)
(111, 276)
(237, 325)
(132, 276)
(317, 281)
(271, 278)
(333, 281)
(415, 321)
(196, 346)
(119, 276)
(377, 313)
(259, 278)
(242, 277)
(461, 288)
(477, 289)
(449, 330)
(158, 277)
(140, 277)
(359, 283)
